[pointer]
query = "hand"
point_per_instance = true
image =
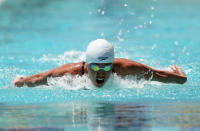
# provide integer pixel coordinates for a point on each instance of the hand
(20, 82)
(177, 70)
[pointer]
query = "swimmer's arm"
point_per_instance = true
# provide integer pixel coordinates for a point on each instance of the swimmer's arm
(129, 67)
(41, 78)
(33, 80)
(175, 76)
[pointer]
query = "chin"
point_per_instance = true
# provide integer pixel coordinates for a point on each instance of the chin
(99, 85)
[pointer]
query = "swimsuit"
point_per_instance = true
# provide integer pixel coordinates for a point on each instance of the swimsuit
(82, 71)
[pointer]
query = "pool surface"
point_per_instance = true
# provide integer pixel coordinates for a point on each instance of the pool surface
(39, 35)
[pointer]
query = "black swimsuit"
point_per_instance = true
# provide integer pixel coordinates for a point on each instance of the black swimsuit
(82, 71)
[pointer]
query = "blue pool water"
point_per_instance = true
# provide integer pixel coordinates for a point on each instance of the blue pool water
(38, 35)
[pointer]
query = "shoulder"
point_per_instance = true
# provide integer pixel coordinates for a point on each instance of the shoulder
(124, 66)
(71, 68)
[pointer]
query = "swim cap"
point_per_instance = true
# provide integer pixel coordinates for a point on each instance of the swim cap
(100, 51)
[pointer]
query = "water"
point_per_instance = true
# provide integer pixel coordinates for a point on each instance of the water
(36, 36)
(101, 116)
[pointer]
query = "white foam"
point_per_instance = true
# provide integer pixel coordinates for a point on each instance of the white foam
(70, 82)
(7, 77)
(131, 82)
(67, 57)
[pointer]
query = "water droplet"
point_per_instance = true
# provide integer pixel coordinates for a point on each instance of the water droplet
(102, 12)
(125, 5)
(120, 32)
(120, 39)
(176, 43)
(152, 8)
(150, 22)
(153, 46)
(141, 60)
(132, 13)
(99, 10)
(140, 26)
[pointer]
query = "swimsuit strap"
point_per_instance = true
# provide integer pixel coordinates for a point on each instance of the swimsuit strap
(113, 71)
(82, 71)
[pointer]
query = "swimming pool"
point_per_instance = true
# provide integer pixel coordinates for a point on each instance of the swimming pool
(36, 36)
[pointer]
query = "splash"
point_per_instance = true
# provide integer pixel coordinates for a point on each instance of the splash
(67, 57)
(69, 82)
(7, 76)
(131, 82)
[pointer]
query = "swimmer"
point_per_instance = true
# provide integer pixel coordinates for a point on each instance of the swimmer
(100, 64)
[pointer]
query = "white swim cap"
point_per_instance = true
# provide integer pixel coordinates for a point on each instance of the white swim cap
(100, 51)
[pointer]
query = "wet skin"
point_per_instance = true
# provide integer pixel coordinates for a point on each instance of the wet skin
(121, 66)
(99, 78)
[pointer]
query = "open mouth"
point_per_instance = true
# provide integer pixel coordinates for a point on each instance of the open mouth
(100, 80)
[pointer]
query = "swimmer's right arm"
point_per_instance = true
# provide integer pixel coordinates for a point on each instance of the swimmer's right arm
(41, 78)
(34, 80)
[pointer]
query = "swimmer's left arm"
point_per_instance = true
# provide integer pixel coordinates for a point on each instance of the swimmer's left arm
(128, 67)
(174, 76)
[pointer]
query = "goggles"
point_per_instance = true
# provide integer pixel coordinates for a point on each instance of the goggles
(97, 68)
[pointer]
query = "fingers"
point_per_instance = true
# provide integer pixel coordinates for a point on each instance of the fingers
(173, 68)
(180, 71)
(19, 82)
(176, 67)
(177, 70)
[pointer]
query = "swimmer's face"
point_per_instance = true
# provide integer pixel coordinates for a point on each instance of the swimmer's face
(99, 73)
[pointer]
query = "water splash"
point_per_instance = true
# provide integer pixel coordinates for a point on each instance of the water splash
(67, 57)
(7, 76)
(69, 82)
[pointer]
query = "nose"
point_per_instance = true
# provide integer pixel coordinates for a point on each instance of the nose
(100, 73)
